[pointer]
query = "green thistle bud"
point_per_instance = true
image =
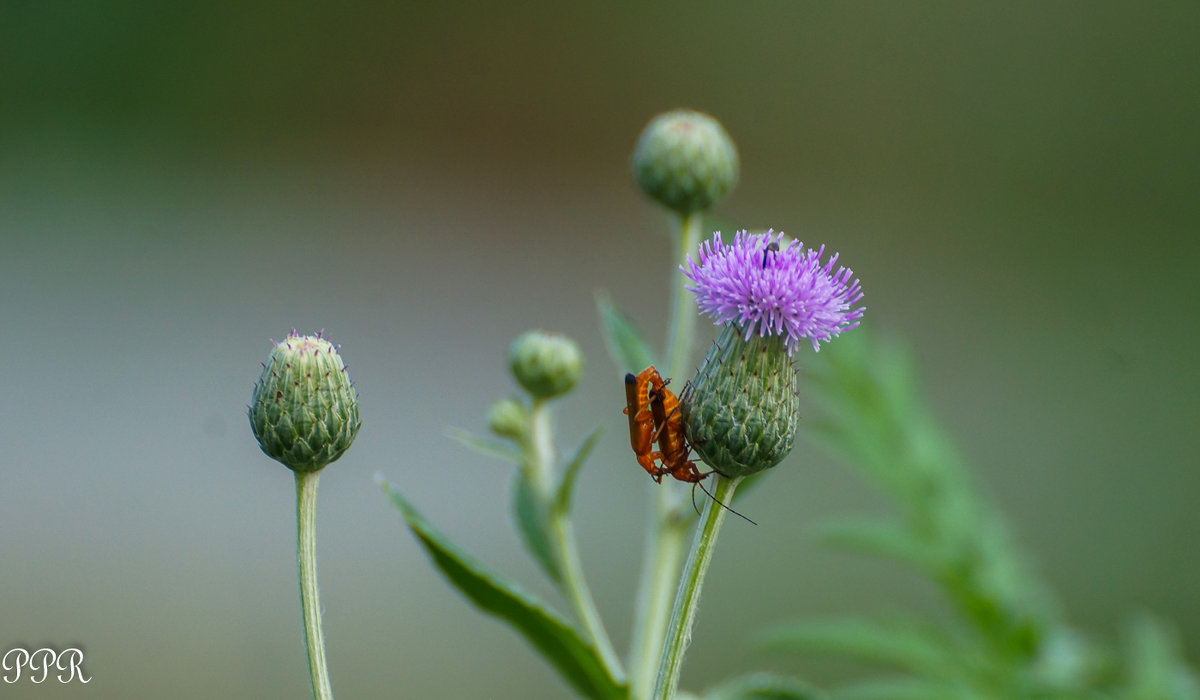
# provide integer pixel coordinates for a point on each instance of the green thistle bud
(544, 364)
(740, 410)
(686, 161)
(304, 410)
(509, 419)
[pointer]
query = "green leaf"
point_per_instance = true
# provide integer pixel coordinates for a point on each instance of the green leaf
(900, 646)
(901, 689)
(489, 447)
(1156, 667)
(626, 345)
(533, 522)
(549, 634)
(885, 539)
(764, 686)
(562, 501)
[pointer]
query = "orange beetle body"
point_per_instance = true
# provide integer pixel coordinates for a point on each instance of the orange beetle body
(672, 445)
(641, 418)
(653, 412)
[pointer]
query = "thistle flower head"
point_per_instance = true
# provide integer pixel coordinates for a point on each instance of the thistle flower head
(304, 410)
(771, 288)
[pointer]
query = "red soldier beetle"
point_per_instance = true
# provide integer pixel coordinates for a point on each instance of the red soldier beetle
(653, 412)
(641, 419)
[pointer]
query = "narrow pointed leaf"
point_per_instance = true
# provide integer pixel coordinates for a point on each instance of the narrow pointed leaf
(901, 689)
(548, 633)
(764, 686)
(563, 497)
(882, 538)
(903, 647)
(626, 345)
(489, 447)
(533, 522)
(1156, 669)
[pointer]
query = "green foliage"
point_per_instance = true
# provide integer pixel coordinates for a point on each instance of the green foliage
(489, 447)
(1006, 641)
(534, 510)
(902, 647)
(764, 686)
(532, 514)
(625, 343)
(553, 638)
(562, 494)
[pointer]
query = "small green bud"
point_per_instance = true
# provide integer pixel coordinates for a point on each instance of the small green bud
(686, 161)
(509, 419)
(740, 410)
(544, 364)
(304, 410)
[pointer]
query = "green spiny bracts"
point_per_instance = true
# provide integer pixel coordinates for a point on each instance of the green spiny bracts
(545, 364)
(740, 410)
(304, 410)
(686, 161)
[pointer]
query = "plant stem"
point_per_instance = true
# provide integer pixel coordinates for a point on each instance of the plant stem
(681, 327)
(566, 548)
(679, 633)
(576, 590)
(310, 599)
(664, 544)
(660, 570)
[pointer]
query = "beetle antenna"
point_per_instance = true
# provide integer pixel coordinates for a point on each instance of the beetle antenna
(714, 500)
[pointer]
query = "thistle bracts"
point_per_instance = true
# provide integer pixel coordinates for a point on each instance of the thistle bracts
(304, 410)
(545, 364)
(740, 410)
(686, 161)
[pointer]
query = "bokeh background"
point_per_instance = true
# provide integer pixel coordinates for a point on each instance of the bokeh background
(1015, 183)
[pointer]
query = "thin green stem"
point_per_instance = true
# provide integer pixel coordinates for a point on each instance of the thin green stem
(576, 590)
(679, 632)
(541, 442)
(310, 598)
(664, 544)
(681, 328)
(661, 561)
(566, 548)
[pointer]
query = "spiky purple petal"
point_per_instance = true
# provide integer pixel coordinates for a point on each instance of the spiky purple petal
(785, 292)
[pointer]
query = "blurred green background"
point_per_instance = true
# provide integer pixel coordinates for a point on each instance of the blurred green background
(1015, 183)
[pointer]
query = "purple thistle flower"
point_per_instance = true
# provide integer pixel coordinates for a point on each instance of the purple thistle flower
(764, 286)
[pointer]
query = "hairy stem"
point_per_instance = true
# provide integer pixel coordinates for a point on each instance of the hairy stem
(566, 548)
(679, 632)
(681, 328)
(664, 544)
(310, 599)
(660, 570)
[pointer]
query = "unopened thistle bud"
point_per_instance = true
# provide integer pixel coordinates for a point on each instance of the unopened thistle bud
(304, 410)
(544, 364)
(509, 419)
(740, 410)
(686, 161)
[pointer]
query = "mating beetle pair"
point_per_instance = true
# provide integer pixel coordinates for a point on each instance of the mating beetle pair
(653, 412)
